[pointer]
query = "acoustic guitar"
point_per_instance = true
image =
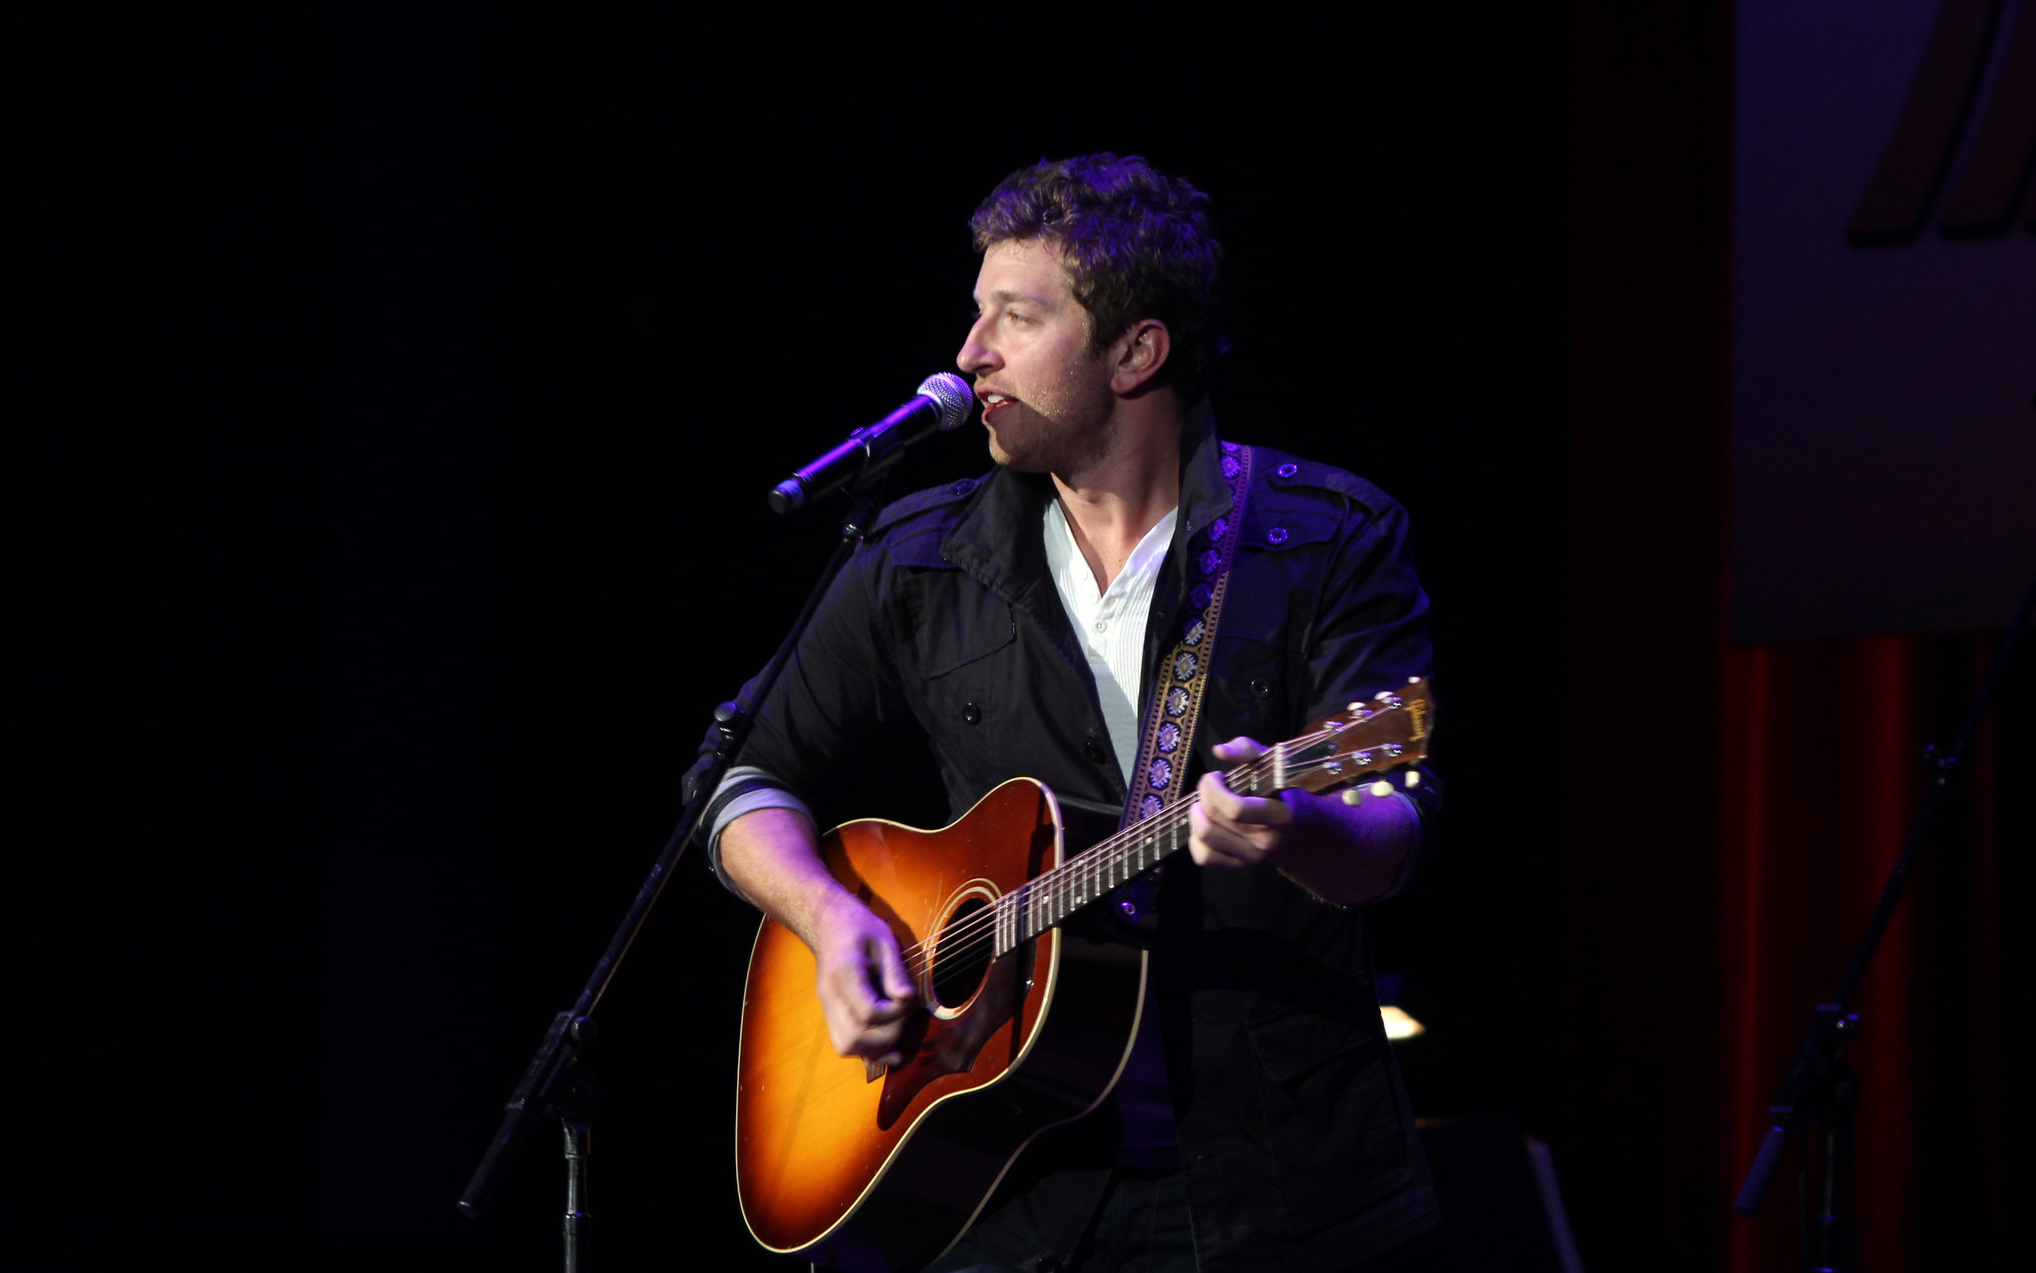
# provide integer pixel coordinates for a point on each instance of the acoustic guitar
(1024, 1024)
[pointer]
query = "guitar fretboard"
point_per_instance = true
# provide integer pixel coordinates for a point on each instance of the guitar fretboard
(1370, 737)
(1052, 896)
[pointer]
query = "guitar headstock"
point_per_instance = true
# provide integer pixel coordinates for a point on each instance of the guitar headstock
(1388, 731)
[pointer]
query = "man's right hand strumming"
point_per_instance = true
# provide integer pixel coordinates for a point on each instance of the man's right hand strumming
(864, 990)
(865, 994)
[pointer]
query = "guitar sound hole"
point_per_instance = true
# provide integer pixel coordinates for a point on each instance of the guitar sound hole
(961, 957)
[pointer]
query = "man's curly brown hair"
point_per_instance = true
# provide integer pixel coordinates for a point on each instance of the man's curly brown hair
(1137, 244)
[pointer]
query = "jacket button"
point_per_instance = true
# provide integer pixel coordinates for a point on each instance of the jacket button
(971, 713)
(1095, 751)
(1260, 687)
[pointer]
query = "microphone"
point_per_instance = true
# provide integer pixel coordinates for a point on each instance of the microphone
(943, 403)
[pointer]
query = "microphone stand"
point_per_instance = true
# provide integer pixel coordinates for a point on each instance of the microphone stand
(558, 1083)
(1819, 1089)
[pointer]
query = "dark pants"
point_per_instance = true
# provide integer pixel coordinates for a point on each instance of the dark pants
(1141, 1227)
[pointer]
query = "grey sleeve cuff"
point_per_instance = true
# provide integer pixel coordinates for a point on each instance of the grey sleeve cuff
(745, 790)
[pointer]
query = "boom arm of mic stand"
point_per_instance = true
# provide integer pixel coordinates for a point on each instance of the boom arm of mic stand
(539, 1094)
(1817, 1057)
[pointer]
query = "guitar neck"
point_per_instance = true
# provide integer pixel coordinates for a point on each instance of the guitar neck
(1054, 895)
(1369, 737)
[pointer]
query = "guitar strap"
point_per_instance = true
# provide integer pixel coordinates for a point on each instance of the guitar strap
(1168, 738)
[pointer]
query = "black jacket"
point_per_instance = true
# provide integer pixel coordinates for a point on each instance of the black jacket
(945, 633)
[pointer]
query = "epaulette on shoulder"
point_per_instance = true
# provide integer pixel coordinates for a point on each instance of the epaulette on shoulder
(928, 501)
(1285, 472)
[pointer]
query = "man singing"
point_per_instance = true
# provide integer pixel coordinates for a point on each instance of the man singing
(1017, 626)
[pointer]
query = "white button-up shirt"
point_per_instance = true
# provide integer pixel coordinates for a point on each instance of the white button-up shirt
(1110, 623)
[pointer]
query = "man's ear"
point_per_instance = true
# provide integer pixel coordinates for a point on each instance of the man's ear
(1141, 352)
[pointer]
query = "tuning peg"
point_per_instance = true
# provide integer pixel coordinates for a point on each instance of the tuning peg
(1382, 788)
(1353, 795)
(1412, 778)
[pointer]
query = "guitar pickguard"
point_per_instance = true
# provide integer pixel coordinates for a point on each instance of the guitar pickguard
(939, 1046)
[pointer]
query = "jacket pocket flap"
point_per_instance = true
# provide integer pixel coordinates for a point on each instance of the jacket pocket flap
(1290, 1045)
(1279, 529)
(945, 647)
(922, 551)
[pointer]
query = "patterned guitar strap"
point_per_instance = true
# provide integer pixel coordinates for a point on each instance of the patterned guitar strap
(1168, 738)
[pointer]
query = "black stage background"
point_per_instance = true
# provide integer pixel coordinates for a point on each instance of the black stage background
(501, 331)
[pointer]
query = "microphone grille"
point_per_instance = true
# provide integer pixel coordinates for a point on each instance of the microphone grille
(951, 393)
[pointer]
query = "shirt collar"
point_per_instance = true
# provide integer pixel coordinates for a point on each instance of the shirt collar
(997, 541)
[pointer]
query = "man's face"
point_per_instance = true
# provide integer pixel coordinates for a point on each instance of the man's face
(1046, 403)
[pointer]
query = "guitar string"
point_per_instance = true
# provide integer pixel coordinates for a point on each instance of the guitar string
(951, 946)
(961, 947)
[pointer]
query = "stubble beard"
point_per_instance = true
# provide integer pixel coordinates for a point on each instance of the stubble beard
(1065, 435)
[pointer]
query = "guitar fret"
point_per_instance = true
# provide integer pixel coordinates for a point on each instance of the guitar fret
(1059, 893)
